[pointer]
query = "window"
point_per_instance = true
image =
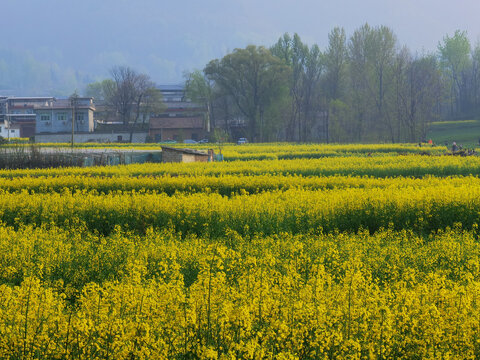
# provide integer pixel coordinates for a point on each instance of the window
(12, 131)
(80, 117)
(45, 117)
(61, 117)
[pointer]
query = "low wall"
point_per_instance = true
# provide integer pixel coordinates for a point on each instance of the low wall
(90, 137)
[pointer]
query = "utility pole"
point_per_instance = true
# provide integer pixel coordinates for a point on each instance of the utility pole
(73, 103)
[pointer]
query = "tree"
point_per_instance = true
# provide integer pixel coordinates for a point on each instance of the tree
(306, 65)
(335, 64)
(199, 89)
(454, 53)
(254, 78)
(292, 51)
(360, 82)
(418, 91)
(99, 90)
(476, 78)
(371, 55)
(311, 95)
(131, 94)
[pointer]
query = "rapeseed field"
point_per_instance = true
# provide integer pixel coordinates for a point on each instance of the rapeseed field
(354, 252)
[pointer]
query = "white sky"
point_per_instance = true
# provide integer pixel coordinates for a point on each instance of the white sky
(164, 38)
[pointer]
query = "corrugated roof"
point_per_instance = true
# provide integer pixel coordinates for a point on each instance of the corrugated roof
(31, 98)
(65, 104)
(186, 151)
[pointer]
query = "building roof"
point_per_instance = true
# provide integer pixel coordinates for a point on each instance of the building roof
(185, 151)
(23, 98)
(177, 123)
(66, 104)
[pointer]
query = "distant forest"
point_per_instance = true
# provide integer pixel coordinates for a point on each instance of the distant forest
(361, 88)
(21, 74)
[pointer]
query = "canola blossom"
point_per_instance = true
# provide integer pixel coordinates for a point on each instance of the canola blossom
(348, 256)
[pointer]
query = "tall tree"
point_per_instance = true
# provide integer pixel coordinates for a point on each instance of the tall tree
(334, 79)
(129, 94)
(383, 57)
(454, 53)
(200, 90)
(293, 52)
(128, 85)
(418, 91)
(371, 54)
(335, 64)
(306, 66)
(253, 77)
(99, 90)
(475, 73)
(360, 78)
(311, 96)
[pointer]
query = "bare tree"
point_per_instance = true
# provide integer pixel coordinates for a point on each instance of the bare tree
(131, 95)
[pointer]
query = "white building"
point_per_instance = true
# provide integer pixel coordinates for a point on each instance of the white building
(8, 133)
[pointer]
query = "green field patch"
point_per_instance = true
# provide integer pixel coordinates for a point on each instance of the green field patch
(463, 132)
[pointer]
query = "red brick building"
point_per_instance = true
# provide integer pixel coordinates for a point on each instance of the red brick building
(177, 128)
(181, 119)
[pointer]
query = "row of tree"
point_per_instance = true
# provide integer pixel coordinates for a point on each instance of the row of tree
(364, 88)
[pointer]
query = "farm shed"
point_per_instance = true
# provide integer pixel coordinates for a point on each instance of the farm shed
(170, 154)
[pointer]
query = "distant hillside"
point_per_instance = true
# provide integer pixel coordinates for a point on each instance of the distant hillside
(21, 74)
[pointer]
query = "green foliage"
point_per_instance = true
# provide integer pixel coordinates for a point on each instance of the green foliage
(306, 66)
(253, 78)
(201, 91)
(197, 87)
(455, 53)
(335, 64)
(100, 90)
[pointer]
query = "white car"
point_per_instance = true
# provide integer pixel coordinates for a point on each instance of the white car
(241, 141)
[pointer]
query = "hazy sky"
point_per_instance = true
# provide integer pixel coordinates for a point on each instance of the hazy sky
(165, 38)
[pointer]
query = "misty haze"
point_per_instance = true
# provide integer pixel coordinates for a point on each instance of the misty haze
(60, 46)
